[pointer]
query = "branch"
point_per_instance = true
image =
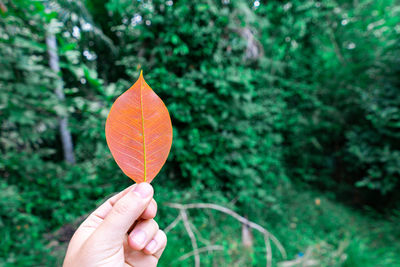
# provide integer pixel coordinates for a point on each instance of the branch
(336, 47)
(268, 250)
(173, 224)
(233, 214)
(198, 234)
(192, 237)
(200, 250)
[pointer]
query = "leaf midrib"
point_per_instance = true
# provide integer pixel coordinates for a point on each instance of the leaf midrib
(144, 139)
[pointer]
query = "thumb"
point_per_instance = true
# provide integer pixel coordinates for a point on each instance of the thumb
(124, 213)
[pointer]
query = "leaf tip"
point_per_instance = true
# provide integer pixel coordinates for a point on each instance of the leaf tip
(141, 74)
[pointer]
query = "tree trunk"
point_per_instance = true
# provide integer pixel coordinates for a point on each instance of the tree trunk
(65, 134)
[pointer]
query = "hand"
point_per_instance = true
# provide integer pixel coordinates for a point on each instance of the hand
(105, 239)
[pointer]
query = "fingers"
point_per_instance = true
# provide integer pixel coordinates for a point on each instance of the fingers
(125, 212)
(151, 211)
(147, 236)
(97, 216)
(145, 258)
(101, 212)
(157, 245)
(142, 234)
(93, 221)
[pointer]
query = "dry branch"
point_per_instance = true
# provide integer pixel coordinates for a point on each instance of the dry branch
(200, 250)
(173, 224)
(268, 250)
(192, 237)
(268, 237)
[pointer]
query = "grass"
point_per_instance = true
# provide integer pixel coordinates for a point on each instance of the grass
(314, 229)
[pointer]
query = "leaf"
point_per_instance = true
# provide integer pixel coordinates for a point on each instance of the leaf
(139, 132)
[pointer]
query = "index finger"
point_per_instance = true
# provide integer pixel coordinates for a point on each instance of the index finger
(125, 212)
(98, 215)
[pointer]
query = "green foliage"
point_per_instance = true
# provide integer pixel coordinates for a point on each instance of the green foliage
(341, 87)
(226, 126)
(226, 119)
(263, 98)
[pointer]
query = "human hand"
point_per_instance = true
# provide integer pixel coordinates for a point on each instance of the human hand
(121, 232)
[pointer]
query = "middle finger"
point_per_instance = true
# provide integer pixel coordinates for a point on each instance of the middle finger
(142, 234)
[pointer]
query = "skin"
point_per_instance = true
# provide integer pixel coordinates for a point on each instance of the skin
(121, 232)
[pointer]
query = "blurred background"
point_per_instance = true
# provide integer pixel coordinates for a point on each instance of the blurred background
(286, 112)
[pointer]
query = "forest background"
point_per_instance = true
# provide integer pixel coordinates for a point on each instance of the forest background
(286, 112)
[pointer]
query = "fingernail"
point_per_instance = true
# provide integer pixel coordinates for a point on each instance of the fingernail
(151, 247)
(138, 236)
(144, 190)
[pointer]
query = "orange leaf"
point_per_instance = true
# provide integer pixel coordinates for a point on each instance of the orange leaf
(139, 132)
